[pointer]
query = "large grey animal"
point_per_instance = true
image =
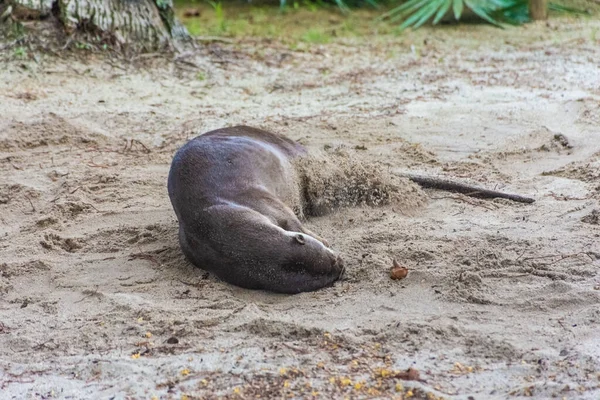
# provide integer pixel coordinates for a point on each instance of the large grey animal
(234, 191)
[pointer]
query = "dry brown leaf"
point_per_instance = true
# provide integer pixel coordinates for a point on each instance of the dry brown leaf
(397, 271)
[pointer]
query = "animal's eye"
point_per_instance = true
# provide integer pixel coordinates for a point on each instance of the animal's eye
(300, 239)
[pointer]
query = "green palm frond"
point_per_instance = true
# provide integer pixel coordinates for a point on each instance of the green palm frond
(515, 14)
(415, 13)
(443, 10)
(484, 9)
(457, 7)
(342, 6)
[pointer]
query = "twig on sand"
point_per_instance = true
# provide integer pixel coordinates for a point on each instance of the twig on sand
(559, 257)
(94, 165)
(144, 256)
(30, 202)
(295, 348)
(146, 149)
(90, 293)
(19, 378)
(469, 190)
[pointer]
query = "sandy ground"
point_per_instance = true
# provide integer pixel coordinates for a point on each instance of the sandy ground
(502, 298)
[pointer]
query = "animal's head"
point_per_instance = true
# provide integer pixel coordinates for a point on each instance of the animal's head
(311, 261)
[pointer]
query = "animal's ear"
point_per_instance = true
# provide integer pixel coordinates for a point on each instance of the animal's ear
(300, 238)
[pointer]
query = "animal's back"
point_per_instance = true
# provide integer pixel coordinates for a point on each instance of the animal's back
(219, 166)
(284, 144)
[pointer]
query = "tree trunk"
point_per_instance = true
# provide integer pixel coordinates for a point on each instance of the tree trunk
(538, 9)
(147, 23)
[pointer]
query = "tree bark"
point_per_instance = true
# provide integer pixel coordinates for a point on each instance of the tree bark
(149, 23)
(538, 9)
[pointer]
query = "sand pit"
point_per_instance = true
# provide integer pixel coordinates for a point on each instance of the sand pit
(502, 299)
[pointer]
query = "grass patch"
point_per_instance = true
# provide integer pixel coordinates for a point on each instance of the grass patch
(299, 22)
(315, 36)
(305, 22)
(20, 52)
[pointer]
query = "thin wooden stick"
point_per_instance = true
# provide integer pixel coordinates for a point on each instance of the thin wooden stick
(469, 190)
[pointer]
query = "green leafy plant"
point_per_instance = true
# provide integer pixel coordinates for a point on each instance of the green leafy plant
(219, 14)
(20, 52)
(83, 46)
(415, 13)
(162, 4)
(315, 36)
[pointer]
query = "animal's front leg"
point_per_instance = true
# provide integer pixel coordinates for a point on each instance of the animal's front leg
(282, 215)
